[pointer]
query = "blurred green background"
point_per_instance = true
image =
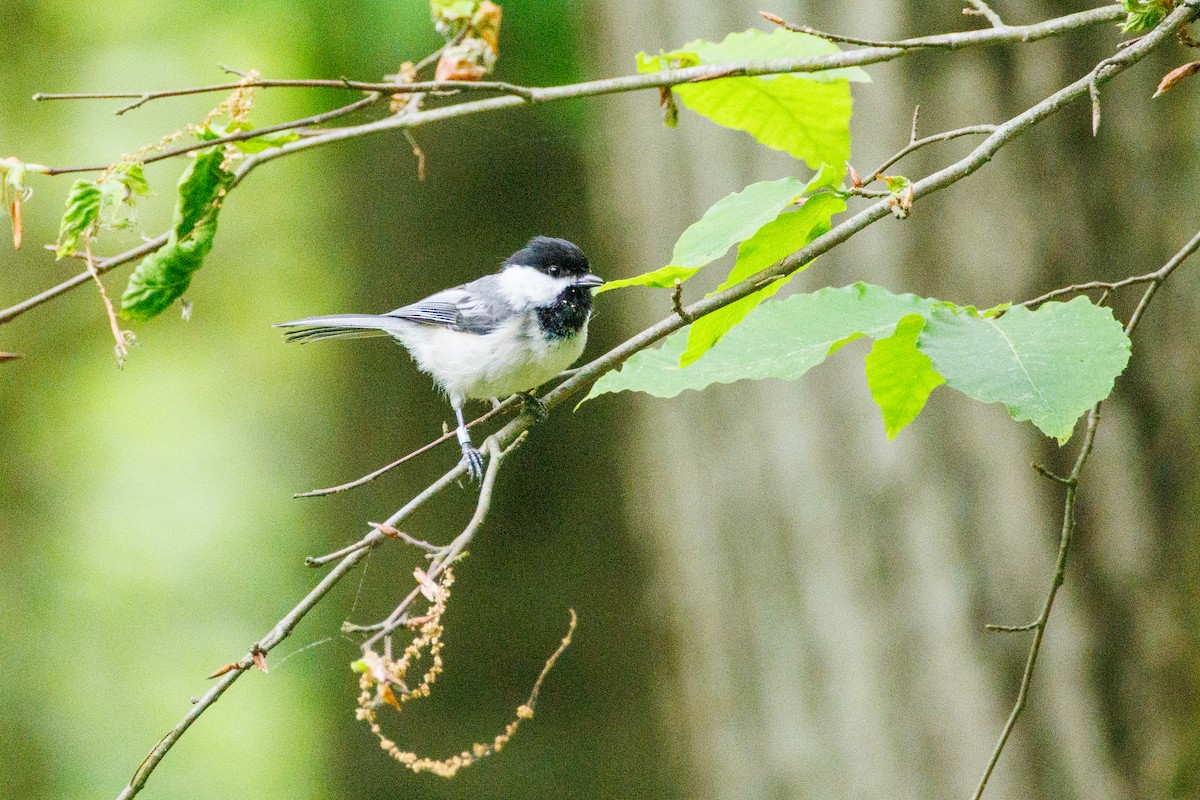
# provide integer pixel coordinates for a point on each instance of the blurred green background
(773, 600)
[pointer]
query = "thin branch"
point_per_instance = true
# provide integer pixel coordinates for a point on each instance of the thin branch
(278, 633)
(677, 301)
(420, 87)
(445, 437)
(981, 9)
(102, 266)
(833, 37)
(1038, 626)
(447, 555)
(1158, 276)
(315, 119)
(917, 144)
(122, 348)
(1011, 34)
(583, 378)
(432, 58)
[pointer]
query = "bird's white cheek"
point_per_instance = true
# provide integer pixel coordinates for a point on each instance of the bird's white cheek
(525, 287)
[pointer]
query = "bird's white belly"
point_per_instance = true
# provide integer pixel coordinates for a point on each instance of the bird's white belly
(506, 361)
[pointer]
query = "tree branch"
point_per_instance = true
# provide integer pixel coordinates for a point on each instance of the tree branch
(869, 55)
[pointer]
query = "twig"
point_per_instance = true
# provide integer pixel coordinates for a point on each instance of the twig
(277, 634)
(315, 119)
(677, 301)
(102, 266)
(432, 58)
(912, 131)
(396, 533)
(418, 153)
(981, 9)
(1158, 276)
(396, 619)
(917, 144)
(583, 378)
(445, 437)
(122, 348)
(833, 37)
(1045, 473)
(423, 87)
(1038, 626)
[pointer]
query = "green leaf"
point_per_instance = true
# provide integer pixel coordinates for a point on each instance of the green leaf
(676, 59)
(805, 114)
(896, 183)
(730, 220)
(783, 339)
(661, 278)
(118, 192)
(1142, 15)
(1048, 366)
(733, 219)
(774, 241)
(807, 119)
(900, 376)
(80, 218)
(164, 276)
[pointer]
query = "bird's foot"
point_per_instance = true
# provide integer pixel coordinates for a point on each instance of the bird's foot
(473, 460)
(534, 406)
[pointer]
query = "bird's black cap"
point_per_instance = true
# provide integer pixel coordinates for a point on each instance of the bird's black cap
(544, 252)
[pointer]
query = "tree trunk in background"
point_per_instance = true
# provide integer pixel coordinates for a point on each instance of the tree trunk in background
(828, 589)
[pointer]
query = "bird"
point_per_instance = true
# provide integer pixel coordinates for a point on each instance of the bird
(503, 334)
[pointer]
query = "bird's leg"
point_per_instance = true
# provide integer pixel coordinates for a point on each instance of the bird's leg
(470, 456)
(534, 406)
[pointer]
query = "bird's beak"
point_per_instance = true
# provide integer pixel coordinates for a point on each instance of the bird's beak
(591, 281)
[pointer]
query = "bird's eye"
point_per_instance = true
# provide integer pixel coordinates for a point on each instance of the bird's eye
(553, 271)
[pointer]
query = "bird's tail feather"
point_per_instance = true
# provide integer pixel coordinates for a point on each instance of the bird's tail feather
(337, 326)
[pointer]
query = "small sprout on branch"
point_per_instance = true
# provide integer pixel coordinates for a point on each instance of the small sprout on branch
(677, 301)
(978, 8)
(225, 669)
(856, 181)
(901, 194)
(1142, 15)
(1176, 75)
(14, 192)
(259, 658)
(670, 110)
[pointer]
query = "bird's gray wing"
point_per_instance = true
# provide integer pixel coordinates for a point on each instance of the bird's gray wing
(475, 307)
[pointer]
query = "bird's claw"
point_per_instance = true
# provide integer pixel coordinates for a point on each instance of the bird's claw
(534, 406)
(473, 460)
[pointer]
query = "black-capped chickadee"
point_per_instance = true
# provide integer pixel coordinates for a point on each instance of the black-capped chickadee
(503, 334)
